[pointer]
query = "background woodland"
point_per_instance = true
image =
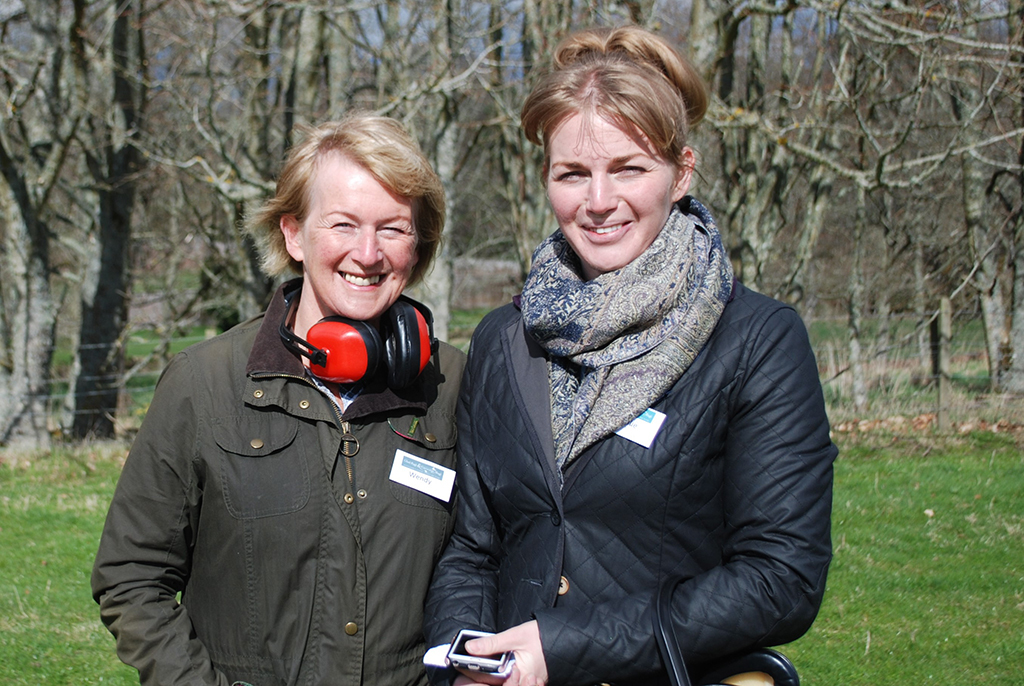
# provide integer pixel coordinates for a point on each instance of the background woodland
(863, 158)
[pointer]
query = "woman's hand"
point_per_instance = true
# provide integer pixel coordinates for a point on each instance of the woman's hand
(524, 640)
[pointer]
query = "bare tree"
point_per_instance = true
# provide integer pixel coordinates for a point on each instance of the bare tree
(1010, 184)
(38, 124)
(985, 95)
(262, 70)
(107, 67)
(873, 118)
(136, 137)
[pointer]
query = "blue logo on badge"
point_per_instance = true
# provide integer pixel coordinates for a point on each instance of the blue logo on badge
(422, 468)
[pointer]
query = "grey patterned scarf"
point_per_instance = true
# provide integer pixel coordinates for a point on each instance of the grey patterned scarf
(618, 342)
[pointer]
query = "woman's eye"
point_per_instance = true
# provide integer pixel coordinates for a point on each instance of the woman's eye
(396, 231)
(569, 176)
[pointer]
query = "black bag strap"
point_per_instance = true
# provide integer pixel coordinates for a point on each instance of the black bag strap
(665, 632)
(771, 662)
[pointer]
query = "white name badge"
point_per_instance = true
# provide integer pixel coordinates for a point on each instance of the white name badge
(423, 475)
(644, 428)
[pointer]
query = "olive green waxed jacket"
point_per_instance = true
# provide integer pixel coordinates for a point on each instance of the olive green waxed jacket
(295, 564)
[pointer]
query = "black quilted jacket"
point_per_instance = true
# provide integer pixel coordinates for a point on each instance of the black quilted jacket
(734, 497)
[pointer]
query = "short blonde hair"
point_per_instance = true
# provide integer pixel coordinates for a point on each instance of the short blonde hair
(628, 74)
(380, 145)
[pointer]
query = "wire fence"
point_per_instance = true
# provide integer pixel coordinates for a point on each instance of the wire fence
(899, 379)
(132, 388)
(897, 342)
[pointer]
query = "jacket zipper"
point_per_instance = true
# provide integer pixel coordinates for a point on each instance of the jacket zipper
(347, 431)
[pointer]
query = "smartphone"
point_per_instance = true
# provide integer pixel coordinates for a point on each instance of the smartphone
(495, 665)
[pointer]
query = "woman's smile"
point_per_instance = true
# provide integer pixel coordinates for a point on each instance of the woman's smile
(357, 280)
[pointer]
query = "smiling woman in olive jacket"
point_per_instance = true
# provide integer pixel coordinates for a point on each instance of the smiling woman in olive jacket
(268, 488)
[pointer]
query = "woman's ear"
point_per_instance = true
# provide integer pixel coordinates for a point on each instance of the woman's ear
(292, 236)
(687, 161)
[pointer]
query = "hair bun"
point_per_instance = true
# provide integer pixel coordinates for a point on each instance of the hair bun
(644, 49)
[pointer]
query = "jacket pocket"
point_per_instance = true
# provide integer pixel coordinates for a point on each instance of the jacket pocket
(262, 477)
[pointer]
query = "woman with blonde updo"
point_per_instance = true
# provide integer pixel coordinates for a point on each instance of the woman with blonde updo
(636, 416)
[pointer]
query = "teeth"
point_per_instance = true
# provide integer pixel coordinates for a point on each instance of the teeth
(362, 280)
(607, 229)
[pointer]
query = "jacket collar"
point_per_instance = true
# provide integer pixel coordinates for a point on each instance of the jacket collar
(528, 373)
(269, 354)
(270, 357)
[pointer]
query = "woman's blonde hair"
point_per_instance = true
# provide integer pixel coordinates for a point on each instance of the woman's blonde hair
(380, 145)
(626, 74)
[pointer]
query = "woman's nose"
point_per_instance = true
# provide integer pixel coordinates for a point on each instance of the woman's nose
(600, 195)
(367, 250)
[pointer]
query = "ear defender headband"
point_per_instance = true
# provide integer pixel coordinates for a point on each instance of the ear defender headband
(344, 350)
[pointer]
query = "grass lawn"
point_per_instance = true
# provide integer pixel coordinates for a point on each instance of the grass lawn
(927, 585)
(51, 515)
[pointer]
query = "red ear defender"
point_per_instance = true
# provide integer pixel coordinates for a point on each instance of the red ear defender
(426, 340)
(346, 350)
(351, 348)
(408, 332)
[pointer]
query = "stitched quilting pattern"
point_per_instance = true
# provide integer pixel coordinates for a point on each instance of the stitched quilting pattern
(733, 497)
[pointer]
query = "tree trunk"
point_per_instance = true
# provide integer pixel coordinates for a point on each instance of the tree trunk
(28, 323)
(921, 300)
(857, 305)
(113, 165)
(1014, 373)
(39, 124)
(820, 182)
(437, 283)
(991, 253)
(520, 162)
(306, 80)
(756, 168)
(986, 247)
(100, 355)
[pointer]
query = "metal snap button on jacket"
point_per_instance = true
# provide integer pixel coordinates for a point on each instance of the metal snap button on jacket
(351, 628)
